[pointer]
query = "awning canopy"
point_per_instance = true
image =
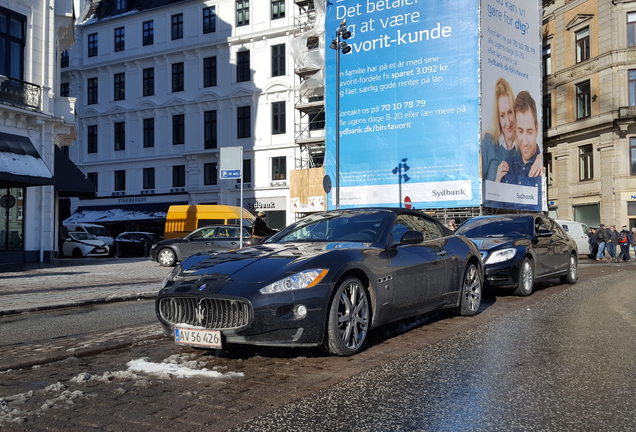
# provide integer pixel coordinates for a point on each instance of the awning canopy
(120, 213)
(69, 180)
(21, 164)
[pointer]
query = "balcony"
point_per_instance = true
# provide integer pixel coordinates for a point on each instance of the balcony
(20, 94)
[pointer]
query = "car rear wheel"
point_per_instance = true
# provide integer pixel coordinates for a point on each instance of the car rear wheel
(525, 283)
(348, 320)
(471, 290)
(572, 274)
(166, 257)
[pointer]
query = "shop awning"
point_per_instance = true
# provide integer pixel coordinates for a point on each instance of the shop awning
(21, 164)
(69, 179)
(121, 213)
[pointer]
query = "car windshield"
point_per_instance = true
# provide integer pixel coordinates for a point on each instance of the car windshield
(81, 236)
(500, 227)
(97, 231)
(336, 226)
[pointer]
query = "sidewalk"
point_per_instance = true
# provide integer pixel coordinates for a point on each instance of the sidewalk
(71, 282)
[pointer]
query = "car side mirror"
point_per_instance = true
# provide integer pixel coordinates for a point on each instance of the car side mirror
(412, 237)
(544, 233)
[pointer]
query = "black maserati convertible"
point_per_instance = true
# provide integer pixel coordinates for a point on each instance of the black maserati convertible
(325, 280)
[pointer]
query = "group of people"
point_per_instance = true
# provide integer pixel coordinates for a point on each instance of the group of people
(607, 239)
(510, 152)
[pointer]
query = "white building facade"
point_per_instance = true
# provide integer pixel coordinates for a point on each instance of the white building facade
(34, 124)
(162, 86)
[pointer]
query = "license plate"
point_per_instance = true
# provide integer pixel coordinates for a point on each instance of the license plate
(99, 250)
(201, 338)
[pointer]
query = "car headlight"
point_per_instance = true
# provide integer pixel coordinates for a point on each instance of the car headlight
(300, 280)
(501, 256)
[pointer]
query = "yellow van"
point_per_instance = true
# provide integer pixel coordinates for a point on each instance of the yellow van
(183, 219)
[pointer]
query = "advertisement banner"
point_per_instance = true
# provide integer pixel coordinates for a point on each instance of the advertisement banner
(512, 158)
(408, 99)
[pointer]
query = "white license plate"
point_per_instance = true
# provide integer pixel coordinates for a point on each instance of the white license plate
(100, 250)
(201, 338)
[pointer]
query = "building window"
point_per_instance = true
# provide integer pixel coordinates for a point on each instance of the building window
(64, 90)
(247, 171)
(242, 12)
(210, 174)
(120, 40)
(278, 60)
(64, 59)
(586, 167)
(91, 139)
(149, 178)
(317, 120)
(243, 66)
(632, 156)
(119, 80)
(313, 42)
(631, 29)
(243, 122)
(178, 129)
(91, 91)
(583, 100)
(120, 180)
(12, 43)
(209, 71)
(93, 178)
(148, 32)
(178, 176)
(279, 168)
(549, 176)
(177, 77)
(209, 129)
(120, 5)
(278, 9)
(120, 136)
(547, 112)
(148, 81)
(582, 44)
(278, 118)
(177, 26)
(209, 19)
(92, 45)
(631, 86)
(547, 60)
(149, 132)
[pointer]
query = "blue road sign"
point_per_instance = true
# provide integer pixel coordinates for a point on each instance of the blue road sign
(230, 174)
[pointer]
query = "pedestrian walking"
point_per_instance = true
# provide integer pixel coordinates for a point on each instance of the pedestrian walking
(593, 242)
(624, 240)
(612, 242)
(602, 237)
(633, 239)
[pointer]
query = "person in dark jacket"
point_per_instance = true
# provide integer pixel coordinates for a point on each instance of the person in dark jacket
(260, 228)
(612, 242)
(602, 237)
(624, 240)
(633, 240)
(593, 242)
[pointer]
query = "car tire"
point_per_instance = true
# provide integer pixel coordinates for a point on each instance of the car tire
(525, 284)
(166, 257)
(348, 318)
(77, 253)
(471, 291)
(573, 274)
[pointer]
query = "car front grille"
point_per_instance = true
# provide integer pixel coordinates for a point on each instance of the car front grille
(212, 313)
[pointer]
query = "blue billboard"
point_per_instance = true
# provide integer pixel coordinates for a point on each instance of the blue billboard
(408, 96)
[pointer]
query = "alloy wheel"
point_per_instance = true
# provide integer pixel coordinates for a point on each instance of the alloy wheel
(353, 315)
(472, 288)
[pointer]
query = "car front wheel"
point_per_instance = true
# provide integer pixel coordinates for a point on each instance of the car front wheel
(525, 283)
(166, 257)
(572, 274)
(471, 290)
(348, 320)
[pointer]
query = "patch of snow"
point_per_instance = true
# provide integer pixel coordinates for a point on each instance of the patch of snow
(171, 370)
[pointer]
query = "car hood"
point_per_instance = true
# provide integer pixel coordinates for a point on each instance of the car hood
(488, 243)
(262, 262)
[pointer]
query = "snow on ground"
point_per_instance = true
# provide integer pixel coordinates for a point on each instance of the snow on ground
(13, 409)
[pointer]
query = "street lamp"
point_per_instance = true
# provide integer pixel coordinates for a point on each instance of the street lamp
(401, 170)
(339, 44)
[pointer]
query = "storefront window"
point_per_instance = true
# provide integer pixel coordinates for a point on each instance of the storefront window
(11, 219)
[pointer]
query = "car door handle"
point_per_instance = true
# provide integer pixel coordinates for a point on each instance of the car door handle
(442, 253)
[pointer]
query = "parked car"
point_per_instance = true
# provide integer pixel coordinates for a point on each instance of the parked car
(81, 244)
(98, 231)
(134, 244)
(325, 280)
(579, 232)
(520, 249)
(207, 239)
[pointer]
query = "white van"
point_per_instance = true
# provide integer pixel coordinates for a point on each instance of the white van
(98, 231)
(579, 232)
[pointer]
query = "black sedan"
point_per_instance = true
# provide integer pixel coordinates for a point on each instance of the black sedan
(135, 244)
(325, 280)
(519, 249)
(206, 239)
